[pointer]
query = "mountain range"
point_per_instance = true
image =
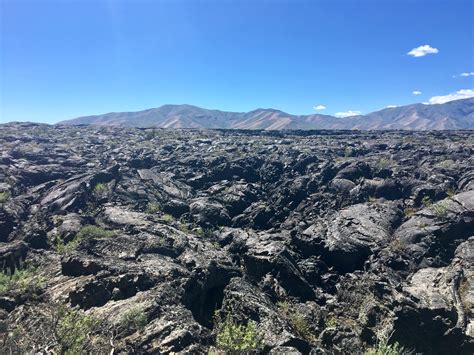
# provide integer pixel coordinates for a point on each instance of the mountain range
(458, 114)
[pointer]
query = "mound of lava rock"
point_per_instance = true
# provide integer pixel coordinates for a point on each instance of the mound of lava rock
(327, 240)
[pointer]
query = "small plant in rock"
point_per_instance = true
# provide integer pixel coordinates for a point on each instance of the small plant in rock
(85, 233)
(204, 232)
(153, 208)
(4, 196)
(99, 189)
(463, 294)
(73, 330)
(396, 244)
(330, 322)
(440, 209)
(451, 192)
(23, 279)
(296, 319)
(237, 338)
(409, 212)
(384, 163)
(135, 319)
(382, 347)
(372, 199)
(447, 164)
(167, 217)
(348, 152)
(426, 201)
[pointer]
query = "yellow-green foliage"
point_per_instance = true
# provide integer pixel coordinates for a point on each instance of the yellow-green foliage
(167, 217)
(372, 199)
(153, 208)
(296, 319)
(440, 209)
(73, 330)
(99, 188)
(4, 196)
(426, 201)
(135, 319)
(383, 348)
(384, 163)
(86, 232)
(330, 322)
(232, 337)
(204, 232)
(23, 279)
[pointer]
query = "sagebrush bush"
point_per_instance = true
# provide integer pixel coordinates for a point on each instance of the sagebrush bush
(135, 319)
(382, 347)
(235, 338)
(440, 209)
(296, 319)
(99, 188)
(73, 330)
(23, 279)
(153, 208)
(86, 232)
(4, 196)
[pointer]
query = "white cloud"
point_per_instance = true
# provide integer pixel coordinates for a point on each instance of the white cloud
(460, 94)
(347, 114)
(416, 92)
(391, 106)
(421, 51)
(467, 74)
(319, 107)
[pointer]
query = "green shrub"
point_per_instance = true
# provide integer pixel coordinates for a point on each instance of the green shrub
(99, 188)
(73, 330)
(382, 347)
(330, 322)
(447, 164)
(426, 201)
(153, 208)
(232, 337)
(384, 163)
(440, 209)
(296, 319)
(86, 232)
(4, 196)
(372, 199)
(167, 217)
(23, 279)
(135, 319)
(204, 232)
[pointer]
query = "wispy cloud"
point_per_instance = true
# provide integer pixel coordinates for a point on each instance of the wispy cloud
(391, 106)
(460, 94)
(416, 92)
(347, 114)
(319, 107)
(467, 74)
(421, 51)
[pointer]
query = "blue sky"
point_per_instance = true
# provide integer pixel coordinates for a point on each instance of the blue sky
(63, 59)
